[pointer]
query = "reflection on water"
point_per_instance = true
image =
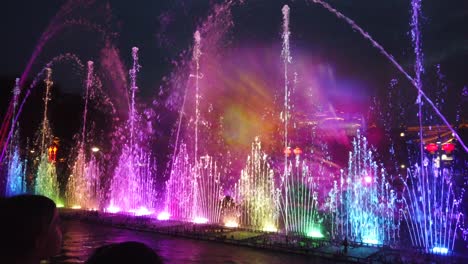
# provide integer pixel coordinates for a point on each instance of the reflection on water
(80, 240)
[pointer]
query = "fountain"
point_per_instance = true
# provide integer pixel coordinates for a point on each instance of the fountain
(280, 194)
(286, 54)
(256, 194)
(208, 194)
(363, 204)
(179, 188)
(46, 176)
(193, 191)
(132, 187)
(83, 184)
(431, 206)
(299, 199)
(16, 183)
(303, 217)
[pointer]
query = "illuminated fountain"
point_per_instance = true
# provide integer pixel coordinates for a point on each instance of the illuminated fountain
(432, 206)
(303, 217)
(83, 184)
(432, 203)
(299, 199)
(285, 115)
(16, 167)
(256, 194)
(46, 176)
(363, 203)
(209, 191)
(193, 191)
(132, 187)
(179, 189)
(193, 194)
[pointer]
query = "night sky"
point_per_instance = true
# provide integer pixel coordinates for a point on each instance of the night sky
(163, 30)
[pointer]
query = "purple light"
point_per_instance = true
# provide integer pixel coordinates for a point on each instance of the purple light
(142, 211)
(163, 216)
(367, 179)
(112, 209)
(200, 220)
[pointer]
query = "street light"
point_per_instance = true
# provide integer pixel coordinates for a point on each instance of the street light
(95, 149)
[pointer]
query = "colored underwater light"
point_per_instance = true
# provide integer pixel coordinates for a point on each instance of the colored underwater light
(439, 250)
(367, 179)
(163, 216)
(141, 211)
(372, 241)
(315, 233)
(200, 220)
(231, 223)
(112, 209)
(270, 228)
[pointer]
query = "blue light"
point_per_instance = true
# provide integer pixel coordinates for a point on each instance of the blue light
(439, 250)
(371, 241)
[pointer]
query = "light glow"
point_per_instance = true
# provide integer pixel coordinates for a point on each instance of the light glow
(372, 241)
(270, 228)
(231, 223)
(439, 250)
(200, 220)
(142, 211)
(367, 179)
(163, 216)
(315, 233)
(112, 209)
(95, 149)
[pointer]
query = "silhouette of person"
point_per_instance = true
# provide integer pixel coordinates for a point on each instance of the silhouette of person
(124, 253)
(30, 229)
(345, 245)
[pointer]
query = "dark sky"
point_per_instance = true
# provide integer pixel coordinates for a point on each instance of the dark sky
(142, 24)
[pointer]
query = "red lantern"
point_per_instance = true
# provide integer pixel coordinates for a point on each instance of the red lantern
(448, 148)
(432, 147)
(287, 151)
(50, 154)
(297, 151)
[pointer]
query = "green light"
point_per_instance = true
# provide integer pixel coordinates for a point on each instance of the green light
(59, 205)
(315, 233)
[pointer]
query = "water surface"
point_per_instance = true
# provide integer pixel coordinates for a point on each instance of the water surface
(80, 239)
